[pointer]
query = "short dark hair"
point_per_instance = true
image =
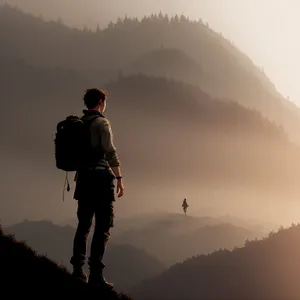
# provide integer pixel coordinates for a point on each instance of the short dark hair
(93, 96)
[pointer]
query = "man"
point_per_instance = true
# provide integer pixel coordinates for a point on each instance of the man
(95, 184)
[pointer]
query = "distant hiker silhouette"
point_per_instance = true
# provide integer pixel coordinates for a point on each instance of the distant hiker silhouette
(184, 206)
(85, 145)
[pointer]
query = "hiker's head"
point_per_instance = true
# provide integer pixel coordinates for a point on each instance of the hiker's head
(95, 99)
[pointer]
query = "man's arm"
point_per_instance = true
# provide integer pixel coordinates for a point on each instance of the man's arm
(111, 154)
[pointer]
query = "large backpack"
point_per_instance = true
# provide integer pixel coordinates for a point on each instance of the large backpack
(72, 143)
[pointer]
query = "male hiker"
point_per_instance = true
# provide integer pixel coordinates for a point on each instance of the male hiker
(185, 206)
(95, 191)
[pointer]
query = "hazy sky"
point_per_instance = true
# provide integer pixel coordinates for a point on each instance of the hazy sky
(267, 30)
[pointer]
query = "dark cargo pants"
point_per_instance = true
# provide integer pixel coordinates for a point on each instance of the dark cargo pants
(95, 194)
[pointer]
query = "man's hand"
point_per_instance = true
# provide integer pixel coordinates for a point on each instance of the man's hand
(120, 188)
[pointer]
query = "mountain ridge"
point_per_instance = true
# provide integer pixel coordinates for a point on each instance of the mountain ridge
(265, 268)
(233, 75)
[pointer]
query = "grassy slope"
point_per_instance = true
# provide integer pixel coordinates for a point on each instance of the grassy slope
(26, 273)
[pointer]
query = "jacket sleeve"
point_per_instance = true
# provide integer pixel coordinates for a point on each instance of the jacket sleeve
(107, 144)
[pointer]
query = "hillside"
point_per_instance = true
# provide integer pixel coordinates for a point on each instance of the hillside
(266, 269)
(24, 273)
(226, 71)
(174, 239)
(126, 265)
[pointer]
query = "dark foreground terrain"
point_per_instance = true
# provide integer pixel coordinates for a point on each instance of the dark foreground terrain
(23, 272)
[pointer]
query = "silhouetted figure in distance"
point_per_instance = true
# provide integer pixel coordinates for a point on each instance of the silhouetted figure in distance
(185, 206)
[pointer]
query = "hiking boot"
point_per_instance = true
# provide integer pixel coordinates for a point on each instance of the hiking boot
(98, 280)
(78, 273)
